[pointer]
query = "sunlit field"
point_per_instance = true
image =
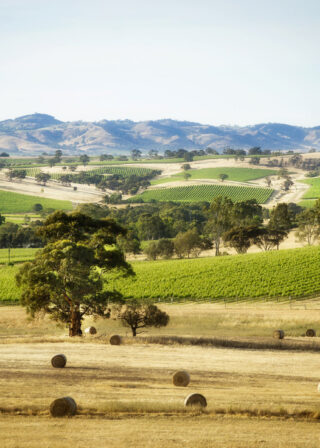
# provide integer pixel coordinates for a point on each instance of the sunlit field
(125, 393)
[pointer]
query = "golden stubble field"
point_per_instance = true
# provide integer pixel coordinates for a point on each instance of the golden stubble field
(256, 398)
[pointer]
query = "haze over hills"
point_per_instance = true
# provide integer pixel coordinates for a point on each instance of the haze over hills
(37, 133)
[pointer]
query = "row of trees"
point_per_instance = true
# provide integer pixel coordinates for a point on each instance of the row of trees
(238, 225)
(185, 244)
(119, 183)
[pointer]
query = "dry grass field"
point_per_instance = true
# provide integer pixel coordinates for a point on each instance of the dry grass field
(256, 398)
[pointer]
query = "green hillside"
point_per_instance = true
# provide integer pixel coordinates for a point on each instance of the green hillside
(282, 273)
(314, 191)
(23, 203)
(234, 174)
(278, 274)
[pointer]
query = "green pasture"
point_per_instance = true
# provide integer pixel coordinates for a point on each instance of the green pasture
(234, 174)
(199, 193)
(17, 255)
(308, 203)
(314, 191)
(20, 218)
(22, 203)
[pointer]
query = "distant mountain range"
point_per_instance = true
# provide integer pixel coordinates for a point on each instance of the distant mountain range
(37, 133)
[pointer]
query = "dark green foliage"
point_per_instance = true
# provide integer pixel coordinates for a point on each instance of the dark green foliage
(139, 315)
(129, 243)
(188, 243)
(280, 217)
(241, 238)
(84, 159)
(37, 208)
(219, 220)
(16, 174)
(65, 279)
(223, 176)
(42, 178)
(13, 236)
(114, 198)
(151, 250)
(165, 248)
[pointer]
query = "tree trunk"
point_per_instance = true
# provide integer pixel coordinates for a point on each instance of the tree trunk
(217, 247)
(75, 323)
(134, 331)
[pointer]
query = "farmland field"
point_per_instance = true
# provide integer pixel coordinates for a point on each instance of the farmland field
(198, 193)
(308, 203)
(122, 170)
(22, 203)
(125, 395)
(234, 174)
(287, 273)
(314, 191)
(284, 273)
(17, 255)
(20, 218)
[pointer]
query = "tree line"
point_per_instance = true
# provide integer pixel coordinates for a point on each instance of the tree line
(184, 230)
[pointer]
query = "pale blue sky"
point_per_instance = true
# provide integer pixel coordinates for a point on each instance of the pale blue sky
(218, 62)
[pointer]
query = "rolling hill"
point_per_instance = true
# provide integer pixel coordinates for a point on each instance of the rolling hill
(37, 133)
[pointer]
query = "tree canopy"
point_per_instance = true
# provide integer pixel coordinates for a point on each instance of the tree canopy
(65, 280)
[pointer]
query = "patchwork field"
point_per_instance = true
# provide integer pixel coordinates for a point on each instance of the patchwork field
(22, 203)
(125, 395)
(198, 193)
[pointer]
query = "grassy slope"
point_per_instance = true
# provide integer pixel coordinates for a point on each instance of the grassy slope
(196, 193)
(22, 203)
(308, 203)
(285, 273)
(314, 191)
(235, 174)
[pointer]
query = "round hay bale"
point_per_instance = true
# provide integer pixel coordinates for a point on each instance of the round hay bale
(318, 387)
(181, 378)
(90, 330)
(310, 333)
(115, 339)
(278, 334)
(62, 407)
(195, 400)
(59, 361)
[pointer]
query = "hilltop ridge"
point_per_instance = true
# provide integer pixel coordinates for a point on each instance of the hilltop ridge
(37, 133)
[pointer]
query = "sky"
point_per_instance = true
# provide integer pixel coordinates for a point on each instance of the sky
(232, 62)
